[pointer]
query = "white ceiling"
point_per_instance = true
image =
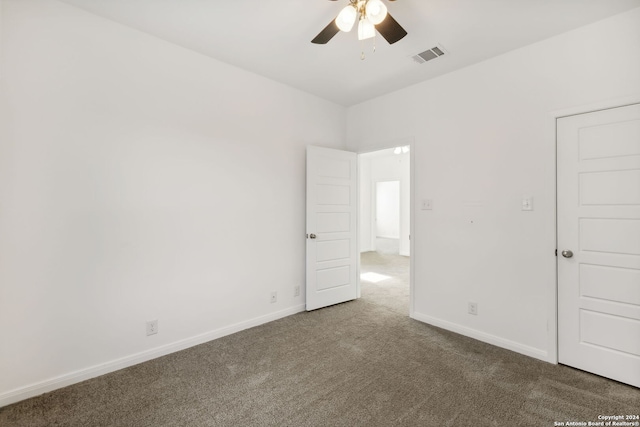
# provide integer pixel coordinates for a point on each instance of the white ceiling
(272, 37)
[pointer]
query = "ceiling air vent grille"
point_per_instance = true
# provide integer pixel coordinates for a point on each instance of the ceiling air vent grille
(428, 55)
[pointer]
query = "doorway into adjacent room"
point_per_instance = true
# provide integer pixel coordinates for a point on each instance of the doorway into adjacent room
(384, 227)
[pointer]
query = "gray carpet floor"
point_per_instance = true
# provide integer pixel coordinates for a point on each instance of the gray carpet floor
(361, 363)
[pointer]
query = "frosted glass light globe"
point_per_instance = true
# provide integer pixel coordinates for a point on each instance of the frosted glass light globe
(346, 18)
(366, 30)
(376, 11)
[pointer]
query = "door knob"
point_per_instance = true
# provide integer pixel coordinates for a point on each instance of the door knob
(312, 236)
(567, 254)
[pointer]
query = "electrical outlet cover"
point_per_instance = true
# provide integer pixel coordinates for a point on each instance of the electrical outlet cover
(473, 308)
(152, 327)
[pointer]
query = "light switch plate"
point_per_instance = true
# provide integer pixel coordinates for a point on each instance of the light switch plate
(527, 203)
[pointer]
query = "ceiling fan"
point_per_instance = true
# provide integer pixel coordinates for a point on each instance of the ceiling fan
(372, 15)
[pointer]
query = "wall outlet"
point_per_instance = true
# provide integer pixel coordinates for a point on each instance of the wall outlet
(274, 297)
(152, 327)
(473, 308)
(296, 291)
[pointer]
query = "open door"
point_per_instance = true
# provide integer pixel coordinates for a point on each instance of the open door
(331, 227)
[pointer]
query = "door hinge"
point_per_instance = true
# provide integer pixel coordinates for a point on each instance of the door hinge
(556, 252)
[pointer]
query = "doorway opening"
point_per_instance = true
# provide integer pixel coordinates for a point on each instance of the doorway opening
(384, 227)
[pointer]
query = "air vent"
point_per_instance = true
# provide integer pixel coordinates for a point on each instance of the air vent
(428, 55)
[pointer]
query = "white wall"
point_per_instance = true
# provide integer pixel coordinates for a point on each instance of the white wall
(484, 137)
(380, 166)
(139, 181)
(388, 209)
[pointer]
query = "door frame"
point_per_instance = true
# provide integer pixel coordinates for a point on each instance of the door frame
(410, 141)
(552, 303)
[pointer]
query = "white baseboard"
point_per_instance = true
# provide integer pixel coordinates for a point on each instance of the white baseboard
(46, 386)
(482, 336)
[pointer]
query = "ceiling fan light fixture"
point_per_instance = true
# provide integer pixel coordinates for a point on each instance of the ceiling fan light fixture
(376, 11)
(372, 17)
(366, 29)
(346, 18)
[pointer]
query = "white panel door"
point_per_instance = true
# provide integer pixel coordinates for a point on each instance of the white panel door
(599, 222)
(331, 227)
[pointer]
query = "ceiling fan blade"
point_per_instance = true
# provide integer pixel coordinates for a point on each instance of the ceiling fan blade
(391, 30)
(326, 34)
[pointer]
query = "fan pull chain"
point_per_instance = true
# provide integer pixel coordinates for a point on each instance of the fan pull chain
(362, 57)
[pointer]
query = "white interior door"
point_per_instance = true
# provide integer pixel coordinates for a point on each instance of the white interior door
(599, 222)
(332, 262)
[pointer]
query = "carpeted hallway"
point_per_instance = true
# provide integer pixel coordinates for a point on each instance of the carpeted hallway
(362, 363)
